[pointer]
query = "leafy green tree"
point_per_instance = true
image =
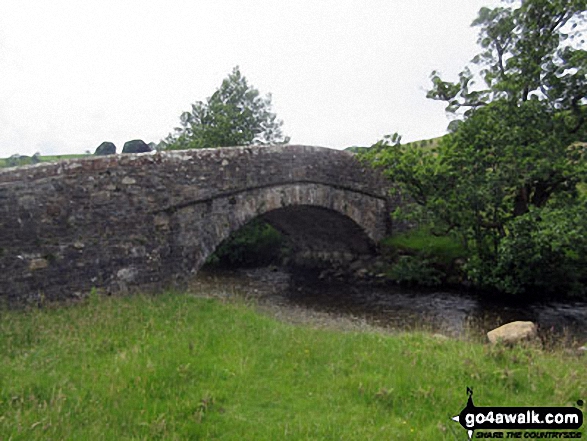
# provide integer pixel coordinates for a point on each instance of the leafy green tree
(235, 115)
(532, 51)
(518, 146)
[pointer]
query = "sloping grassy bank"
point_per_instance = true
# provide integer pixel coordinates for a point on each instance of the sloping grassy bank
(418, 257)
(175, 366)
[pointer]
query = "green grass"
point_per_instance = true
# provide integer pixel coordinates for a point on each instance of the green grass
(62, 157)
(425, 144)
(53, 158)
(178, 367)
(444, 248)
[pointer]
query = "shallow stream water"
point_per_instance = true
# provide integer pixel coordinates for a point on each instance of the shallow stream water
(452, 313)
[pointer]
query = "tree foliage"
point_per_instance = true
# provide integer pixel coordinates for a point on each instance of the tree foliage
(518, 150)
(235, 115)
(532, 50)
(546, 249)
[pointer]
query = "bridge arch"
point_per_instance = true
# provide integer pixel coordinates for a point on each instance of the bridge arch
(319, 218)
(146, 221)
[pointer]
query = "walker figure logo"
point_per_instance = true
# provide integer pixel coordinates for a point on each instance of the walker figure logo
(500, 418)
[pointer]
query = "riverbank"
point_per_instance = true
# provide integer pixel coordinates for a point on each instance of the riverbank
(304, 296)
(183, 366)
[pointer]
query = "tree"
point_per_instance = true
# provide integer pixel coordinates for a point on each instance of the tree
(235, 115)
(532, 51)
(518, 147)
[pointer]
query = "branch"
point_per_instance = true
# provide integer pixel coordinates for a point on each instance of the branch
(500, 52)
(559, 22)
(473, 104)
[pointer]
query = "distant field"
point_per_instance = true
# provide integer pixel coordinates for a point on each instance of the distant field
(425, 143)
(4, 161)
(60, 157)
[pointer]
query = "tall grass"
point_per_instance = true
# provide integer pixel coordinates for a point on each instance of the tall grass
(179, 367)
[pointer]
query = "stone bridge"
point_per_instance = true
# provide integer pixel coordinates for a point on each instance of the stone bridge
(149, 221)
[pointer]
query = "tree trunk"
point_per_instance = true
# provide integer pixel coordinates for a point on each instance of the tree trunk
(521, 202)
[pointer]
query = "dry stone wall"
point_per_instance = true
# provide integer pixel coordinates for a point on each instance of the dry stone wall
(145, 221)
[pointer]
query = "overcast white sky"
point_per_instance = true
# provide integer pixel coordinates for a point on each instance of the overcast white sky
(342, 72)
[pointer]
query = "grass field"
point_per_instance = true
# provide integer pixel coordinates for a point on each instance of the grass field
(179, 367)
(3, 161)
(425, 144)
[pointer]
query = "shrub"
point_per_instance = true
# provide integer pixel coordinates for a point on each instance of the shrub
(412, 270)
(545, 250)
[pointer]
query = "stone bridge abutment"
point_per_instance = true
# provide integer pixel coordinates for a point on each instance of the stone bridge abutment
(148, 221)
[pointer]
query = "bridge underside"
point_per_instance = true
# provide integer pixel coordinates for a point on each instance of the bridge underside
(319, 230)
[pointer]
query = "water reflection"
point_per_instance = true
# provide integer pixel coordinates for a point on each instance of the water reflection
(457, 314)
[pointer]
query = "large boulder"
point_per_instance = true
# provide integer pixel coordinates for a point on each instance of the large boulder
(513, 332)
(136, 146)
(106, 148)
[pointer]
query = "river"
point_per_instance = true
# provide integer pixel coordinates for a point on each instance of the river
(303, 297)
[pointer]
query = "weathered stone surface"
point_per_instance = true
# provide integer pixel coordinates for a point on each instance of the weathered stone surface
(126, 222)
(37, 264)
(106, 148)
(128, 180)
(136, 146)
(127, 275)
(513, 332)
